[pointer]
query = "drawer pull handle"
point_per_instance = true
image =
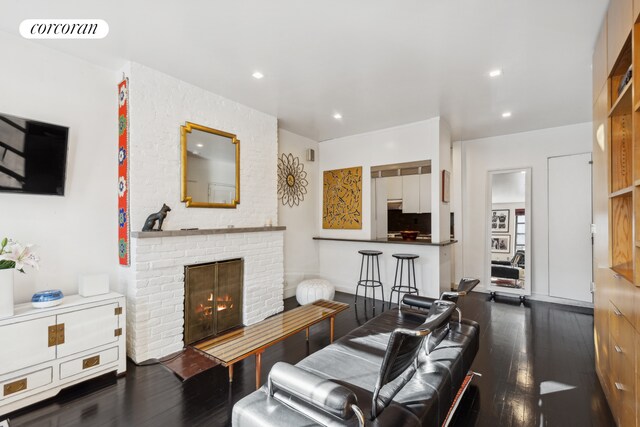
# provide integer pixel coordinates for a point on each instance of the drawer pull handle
(617, 312)
(618, 349)
(91, 362)
(619, 386)
(15, 387)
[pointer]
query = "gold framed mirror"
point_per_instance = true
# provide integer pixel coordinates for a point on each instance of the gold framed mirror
(210, 167)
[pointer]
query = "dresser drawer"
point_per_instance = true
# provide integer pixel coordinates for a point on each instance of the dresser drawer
(621, 330)
(23, 383)
(622, 360)
(88, 363)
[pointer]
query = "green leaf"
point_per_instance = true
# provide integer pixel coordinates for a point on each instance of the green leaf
(6, 264)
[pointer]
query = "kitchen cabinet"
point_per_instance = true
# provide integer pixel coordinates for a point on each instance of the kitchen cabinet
(411, 194)
(425, 193)
(394, 187)
(416, 193)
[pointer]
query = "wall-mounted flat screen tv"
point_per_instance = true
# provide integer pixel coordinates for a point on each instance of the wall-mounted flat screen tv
(33, 156)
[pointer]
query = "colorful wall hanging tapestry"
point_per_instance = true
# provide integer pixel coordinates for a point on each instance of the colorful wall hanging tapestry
(292, 180)
(342, 199)
(123, 172)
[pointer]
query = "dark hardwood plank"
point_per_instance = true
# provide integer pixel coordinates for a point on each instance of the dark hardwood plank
(537, 363)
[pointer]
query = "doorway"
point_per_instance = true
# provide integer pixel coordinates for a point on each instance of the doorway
(570, 245)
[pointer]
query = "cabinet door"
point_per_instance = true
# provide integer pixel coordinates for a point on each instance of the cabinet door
(410, 193)
(394, 187)
(619, 23)
(89, 328)
(26, 344)
(425, 193)
(636, 10)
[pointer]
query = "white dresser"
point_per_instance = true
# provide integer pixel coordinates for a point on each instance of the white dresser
(45, 350)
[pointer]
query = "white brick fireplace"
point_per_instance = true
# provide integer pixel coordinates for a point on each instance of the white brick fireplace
(155, 294)
(154, 283)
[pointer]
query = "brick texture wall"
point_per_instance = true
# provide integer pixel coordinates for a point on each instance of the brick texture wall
(154, 283)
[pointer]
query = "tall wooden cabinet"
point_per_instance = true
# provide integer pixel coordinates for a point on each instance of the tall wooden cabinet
(616, 205)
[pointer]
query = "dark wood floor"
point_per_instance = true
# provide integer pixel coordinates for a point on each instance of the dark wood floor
(536, 361)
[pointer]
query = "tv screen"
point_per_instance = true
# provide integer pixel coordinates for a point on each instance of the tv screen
(33, 156)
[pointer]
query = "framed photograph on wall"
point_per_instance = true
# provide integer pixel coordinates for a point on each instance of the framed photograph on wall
(446, 186)
(501, 244)
(500, 221)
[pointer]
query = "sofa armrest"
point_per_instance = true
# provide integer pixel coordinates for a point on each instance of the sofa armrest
(324, 394)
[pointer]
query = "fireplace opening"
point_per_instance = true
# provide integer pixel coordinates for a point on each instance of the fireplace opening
(213, 299)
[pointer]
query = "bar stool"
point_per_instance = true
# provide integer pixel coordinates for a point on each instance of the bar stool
(372, 258)
(398, 287)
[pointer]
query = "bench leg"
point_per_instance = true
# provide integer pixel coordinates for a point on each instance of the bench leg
(231, 373)
(258, 369)
(332, 319)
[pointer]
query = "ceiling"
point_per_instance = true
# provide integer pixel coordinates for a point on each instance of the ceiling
(378, 63)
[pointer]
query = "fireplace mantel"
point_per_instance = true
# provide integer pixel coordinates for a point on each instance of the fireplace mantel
(198, 232)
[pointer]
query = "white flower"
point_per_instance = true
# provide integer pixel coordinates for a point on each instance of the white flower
(122, 186)
(20, 255)
(122, 97)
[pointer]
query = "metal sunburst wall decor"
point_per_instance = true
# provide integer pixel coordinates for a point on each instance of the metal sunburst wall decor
(292, 180)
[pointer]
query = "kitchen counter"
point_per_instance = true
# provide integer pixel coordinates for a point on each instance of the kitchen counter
(396, 240)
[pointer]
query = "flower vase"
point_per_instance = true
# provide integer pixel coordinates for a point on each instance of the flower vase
(6, 292)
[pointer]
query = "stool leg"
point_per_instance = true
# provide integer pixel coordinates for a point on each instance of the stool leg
(401, 268)
(355, 300)
(366, 282)
(380, 280)
(373, 278)
(413, 264)
(395, 281)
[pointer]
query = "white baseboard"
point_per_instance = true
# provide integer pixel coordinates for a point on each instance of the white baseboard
(543, 298)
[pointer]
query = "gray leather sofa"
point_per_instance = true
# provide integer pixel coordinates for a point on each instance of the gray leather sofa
(402, 368)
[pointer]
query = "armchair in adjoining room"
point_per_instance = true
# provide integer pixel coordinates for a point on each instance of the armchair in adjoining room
(509, 273)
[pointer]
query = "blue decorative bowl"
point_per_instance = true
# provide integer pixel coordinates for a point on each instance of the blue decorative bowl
(45, 299)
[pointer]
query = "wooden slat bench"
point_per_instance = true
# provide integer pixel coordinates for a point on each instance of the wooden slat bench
(249, 340)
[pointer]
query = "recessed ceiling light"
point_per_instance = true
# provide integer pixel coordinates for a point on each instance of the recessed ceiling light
(495, 73)
(506, 114)
(257, 75)
(200, 145)
(337, 116)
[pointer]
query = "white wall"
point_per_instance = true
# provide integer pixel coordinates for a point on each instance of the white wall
(527, 149)
(76, 233)
(426, 140)
(160, 104)
(300, 250)
(412, 142)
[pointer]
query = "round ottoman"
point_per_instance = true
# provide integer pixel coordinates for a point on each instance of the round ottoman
(311, 290)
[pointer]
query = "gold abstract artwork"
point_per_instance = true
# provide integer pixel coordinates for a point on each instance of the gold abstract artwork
(342, 199)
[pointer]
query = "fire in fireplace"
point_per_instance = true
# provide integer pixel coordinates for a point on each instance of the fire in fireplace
(213, 299)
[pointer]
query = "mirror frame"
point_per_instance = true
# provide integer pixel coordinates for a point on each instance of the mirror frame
(527, 245)
(184, 131)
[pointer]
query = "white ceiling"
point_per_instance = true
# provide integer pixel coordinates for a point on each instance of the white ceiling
(378, 63)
